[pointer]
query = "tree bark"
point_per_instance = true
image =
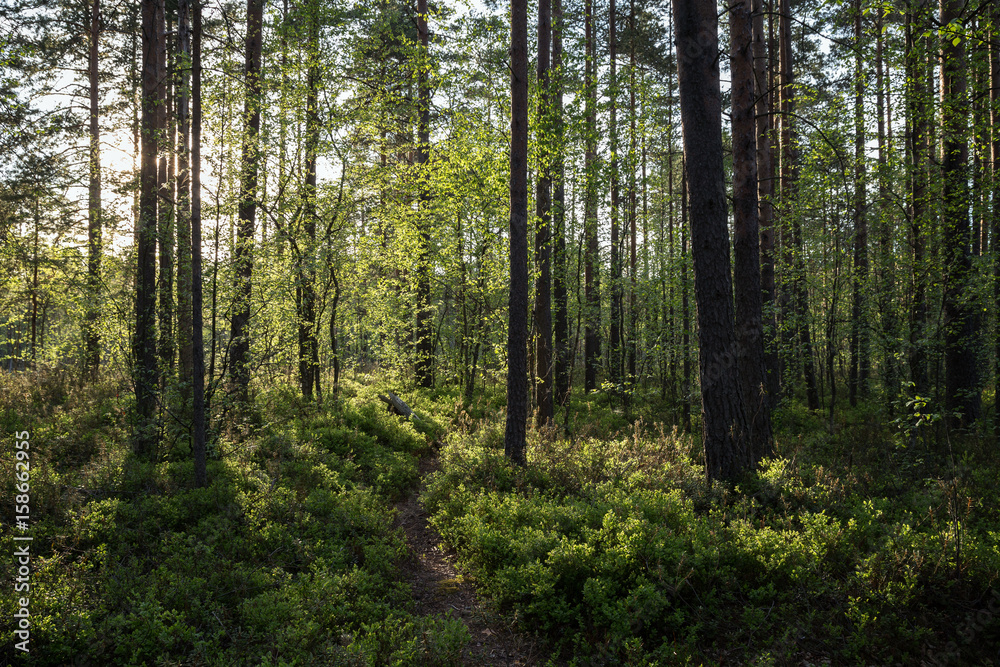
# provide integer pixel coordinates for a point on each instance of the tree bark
(94, 245)
(615, 278)
(995, 213)
(197, 340)
(749, 301)
(239, 354)
(183, 208)
(144, 341)
(543, 228)
(425, 341)
(563, 355)
(517, 328)
(306, 257)
(592, 277)
(165, 212)
(917, 147)
(724, 420)
(961, 382)
(859, 340)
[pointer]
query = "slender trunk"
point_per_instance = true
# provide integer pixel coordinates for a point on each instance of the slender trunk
(563, 354)
(995, 213)
(918, 121)
(749, 301)
(425, 341)
(144, 341)
(795, 262)
(165, 209)
(859, 345)
(517, 328)
(94, 250)
(592, 278)
(686, 389)
(197, 341)
(184, 266)
(543, 230)
(886, 290)
(765, 199)
(960, 321)
(239, 355)
(306, 257)
(630, 338)
(615, 278)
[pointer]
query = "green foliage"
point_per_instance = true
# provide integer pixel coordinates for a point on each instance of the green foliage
(288, 557)
(619, 552)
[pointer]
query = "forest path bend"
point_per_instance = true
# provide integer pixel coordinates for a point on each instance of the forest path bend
(439, 588)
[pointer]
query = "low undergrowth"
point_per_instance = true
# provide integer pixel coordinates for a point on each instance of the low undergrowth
(617, 551)
(288, 557)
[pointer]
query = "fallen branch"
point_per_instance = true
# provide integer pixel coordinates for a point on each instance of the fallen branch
(398, 406)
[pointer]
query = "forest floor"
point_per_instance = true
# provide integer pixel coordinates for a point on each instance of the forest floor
(439, 588)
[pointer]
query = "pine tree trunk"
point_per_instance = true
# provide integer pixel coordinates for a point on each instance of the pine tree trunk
(144, 342)
(185, 360)
(724, 419)
(563, 354)
(425, 341)
(306, 256)
(239, 355)
(995, 213)
(198, 427)
(543, 222)
(94, 249)
(517, 328)
(919, 223)
(632, 333)
(749, 317)
(165, 212)
(960, 321)
(592, 277)
(859, 345)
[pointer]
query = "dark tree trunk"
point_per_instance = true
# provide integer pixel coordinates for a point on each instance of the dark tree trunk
(916, 93)
(184, 266)
(144, 342)
(239, 355)
(592, 277)
(795, 262)
(886, 287)
(615, 277)
(995, 213)
(563, 355)
(197, 341)
(960, 321)
(517, 328)
(165, 209)
(859, 340)
(749, 318)
(686, 389)
(765, 199)
(724, 419)
(94, 250)
(306, 257)
(425, 340)
(630, 338)
(543, 231)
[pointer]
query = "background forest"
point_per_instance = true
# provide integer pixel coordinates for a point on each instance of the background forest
(695, 306)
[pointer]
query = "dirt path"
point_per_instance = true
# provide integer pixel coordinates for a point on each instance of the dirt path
(438, 588)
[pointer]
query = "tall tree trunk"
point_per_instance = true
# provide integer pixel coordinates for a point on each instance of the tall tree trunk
(165, 209)
(239, 355)
(517, 327)
(144, 341)
(859, 339)
(765, 199)
(960, 321)
(94, 250)
(995, 213)
(686, 389)
(563, 355)
(630, 339)
(749, 316)
(724, 419)
(543, 229)
(592, 277)
(197, 339)
(916, 92)
(425, 340)
(886, 288)
(615, 278)
(183, 208)
(789, 187)
(306, 257)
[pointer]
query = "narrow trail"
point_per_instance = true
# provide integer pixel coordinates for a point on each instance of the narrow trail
(438, 588)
